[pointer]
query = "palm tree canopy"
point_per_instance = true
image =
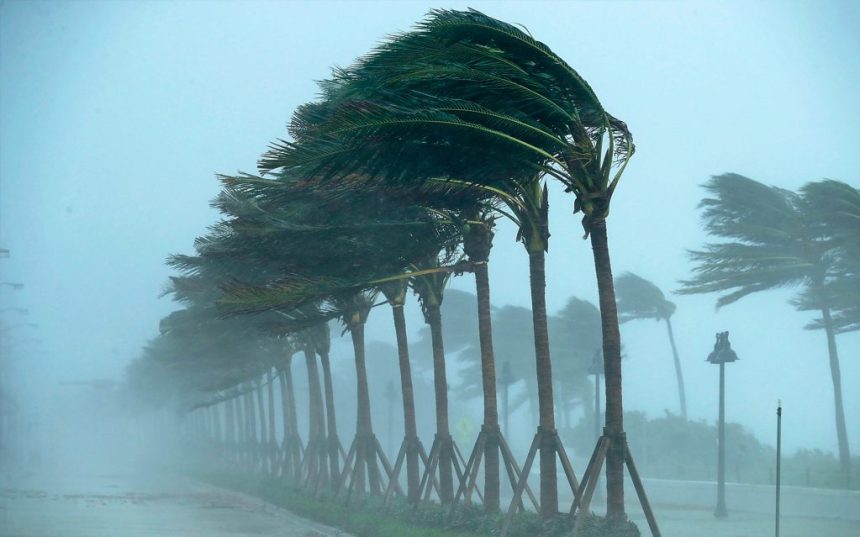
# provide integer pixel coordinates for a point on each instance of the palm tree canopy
(769, 243)
(834, 208)
(638, 298)
(463, 97)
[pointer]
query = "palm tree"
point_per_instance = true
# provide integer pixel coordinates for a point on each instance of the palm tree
(578, 327)
(467, 97)
(375, 236)
(410, 450)
(841, 224)
(772, 239)
(640, 299)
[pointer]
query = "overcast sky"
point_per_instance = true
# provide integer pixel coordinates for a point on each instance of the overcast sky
(116, 116)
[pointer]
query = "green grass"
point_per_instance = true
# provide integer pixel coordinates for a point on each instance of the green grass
(369, 518)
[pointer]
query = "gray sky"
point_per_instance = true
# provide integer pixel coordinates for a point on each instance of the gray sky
(116, 115)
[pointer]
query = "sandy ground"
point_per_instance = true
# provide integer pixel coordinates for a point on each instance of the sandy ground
(137, 506)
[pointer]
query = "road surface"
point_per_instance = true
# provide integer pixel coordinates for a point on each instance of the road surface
(117, 505)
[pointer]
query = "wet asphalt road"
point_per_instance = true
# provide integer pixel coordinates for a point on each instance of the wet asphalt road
(117, 505)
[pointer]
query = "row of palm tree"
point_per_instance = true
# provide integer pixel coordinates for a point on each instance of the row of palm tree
(393, 179)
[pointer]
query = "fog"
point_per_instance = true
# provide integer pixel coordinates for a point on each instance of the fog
(116, 116)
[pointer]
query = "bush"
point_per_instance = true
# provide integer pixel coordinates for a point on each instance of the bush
(597, 526)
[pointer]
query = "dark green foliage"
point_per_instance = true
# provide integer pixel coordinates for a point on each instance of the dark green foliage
(596, 526)
(640, 299)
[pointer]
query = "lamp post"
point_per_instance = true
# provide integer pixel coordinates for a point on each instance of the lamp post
(505, 379)
(722, 354)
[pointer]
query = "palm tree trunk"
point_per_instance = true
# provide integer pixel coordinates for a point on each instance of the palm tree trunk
(261, 412)
(251, 426)
(548, 479)
(364, 425)
(440, 381)
(488, 376)
(291, 428)
(252, 418)
(240, 427)
(271, 443)
(331, 419)
(836, 375)
(409, 426)
(316, 424)
(229, 424)
(292, 413)
(365, 457)
(614, 416)
(216, 423)
(679, 374)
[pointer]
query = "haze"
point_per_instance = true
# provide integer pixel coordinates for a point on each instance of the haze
(115, 116)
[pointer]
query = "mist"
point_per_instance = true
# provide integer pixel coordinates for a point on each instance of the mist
(117, 116)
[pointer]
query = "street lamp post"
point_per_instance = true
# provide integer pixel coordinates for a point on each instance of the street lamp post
(722, 354)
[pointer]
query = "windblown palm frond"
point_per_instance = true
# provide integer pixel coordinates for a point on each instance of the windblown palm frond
(771, 244)
(640, 299)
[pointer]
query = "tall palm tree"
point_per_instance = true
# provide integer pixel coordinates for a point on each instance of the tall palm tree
(771, 239)
(639, 298)
(468, 97)
(430, 289)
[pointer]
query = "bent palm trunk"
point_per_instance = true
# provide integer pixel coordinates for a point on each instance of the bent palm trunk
(331, 419)
(488, 377)
(614, 428)
(548, 478)
(440, 381)
(409, 426)
(679, 374)
(836, 376)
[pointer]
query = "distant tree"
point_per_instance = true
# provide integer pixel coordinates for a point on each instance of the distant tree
(575, 331)
(640, 299)
(840, 224)
(773, 238)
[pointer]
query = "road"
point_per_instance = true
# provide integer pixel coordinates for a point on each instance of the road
(118, 505)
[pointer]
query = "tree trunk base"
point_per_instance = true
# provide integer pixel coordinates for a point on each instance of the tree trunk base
(410, 447)
(443, 446)
(365, 453)
(491, 439)
(548, 438)
(583, 496)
